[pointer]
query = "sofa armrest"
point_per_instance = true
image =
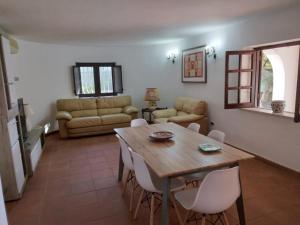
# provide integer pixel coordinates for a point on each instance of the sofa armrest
(185, 118)
(63, 115)
(130, 109)
(164, 113)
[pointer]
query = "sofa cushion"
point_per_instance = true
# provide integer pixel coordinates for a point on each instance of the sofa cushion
(181, 113)
(161, 120)
(164, 113)
(108, 111)
(84, 122)
(191, 105)
(115, 118)
(70, 105)
(113, 102)
(84, 113)
(187, 118)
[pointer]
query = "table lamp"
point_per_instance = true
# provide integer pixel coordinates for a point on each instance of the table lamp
(151, 97)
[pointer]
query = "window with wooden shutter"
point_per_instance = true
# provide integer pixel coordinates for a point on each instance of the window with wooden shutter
(97, 79)
(241, 71)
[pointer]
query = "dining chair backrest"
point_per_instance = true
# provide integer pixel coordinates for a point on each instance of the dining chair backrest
(194, 127)
(142, 173)
(217, 135)
(126, 156)
(218, 191)
(138, 123)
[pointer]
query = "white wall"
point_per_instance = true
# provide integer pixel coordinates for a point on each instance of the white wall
(45, 77)
(273, 138)
(45, 73)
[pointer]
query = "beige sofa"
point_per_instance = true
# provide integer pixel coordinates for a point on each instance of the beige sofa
(83, 117)
(186, 110)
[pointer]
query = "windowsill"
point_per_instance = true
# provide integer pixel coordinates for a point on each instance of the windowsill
(270, 112)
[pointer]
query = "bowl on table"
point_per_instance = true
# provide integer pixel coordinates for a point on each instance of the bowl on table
(161, 135)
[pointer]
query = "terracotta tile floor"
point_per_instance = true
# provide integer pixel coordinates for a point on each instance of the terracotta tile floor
(75, 184)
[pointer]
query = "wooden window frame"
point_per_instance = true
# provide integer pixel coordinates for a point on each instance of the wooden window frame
(257, 76)
(97, 78)
(239, 70)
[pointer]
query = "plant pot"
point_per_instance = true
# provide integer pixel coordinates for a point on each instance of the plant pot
(278, 106)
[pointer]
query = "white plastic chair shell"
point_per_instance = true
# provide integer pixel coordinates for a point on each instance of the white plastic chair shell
(142, 173)
(126, 157)
(194, 127)
(218, 191)
(138, 123)
(217, 135)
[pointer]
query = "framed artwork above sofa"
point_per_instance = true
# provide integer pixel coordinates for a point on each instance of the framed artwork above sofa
(194, 65)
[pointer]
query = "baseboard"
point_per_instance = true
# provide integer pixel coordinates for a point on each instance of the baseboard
(274, 164)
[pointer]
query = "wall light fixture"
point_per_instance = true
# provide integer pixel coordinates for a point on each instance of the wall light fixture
(172, 55)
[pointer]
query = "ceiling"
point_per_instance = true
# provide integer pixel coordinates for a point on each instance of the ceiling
(103, 22)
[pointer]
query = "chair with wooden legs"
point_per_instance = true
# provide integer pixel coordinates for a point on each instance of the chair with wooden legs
(218, 192)
(128, 164)
(152, 187)
(138, 122)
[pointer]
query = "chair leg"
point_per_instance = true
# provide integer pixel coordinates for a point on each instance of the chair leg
(203, 220)
(126, 182)
(152, 209)
(131, 195)
(225, 219)
(176, 209)
(139, 204)
(187, 214)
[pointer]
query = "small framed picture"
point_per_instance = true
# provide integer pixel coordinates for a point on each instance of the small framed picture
(194, 65)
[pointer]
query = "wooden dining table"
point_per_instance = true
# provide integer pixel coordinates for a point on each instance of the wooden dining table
(179, 156)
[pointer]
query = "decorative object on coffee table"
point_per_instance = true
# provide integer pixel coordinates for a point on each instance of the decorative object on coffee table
(152, 96)
(278, 106)
(150, 111)
(194, 65)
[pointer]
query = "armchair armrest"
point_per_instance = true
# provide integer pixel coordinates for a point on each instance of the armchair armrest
(164, 113)
(63, 115)
(185, 118)
(130, 109)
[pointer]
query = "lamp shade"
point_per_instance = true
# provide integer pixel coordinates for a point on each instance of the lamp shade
(151, 94)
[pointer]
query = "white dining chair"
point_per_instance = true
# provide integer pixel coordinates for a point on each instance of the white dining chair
(152, 187)
(128, 164)
(218, 191)
(138, 123)
(217, 135)
(194, 127)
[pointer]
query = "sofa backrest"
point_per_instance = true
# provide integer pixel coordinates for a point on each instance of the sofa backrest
(191, 105)
(93, 106)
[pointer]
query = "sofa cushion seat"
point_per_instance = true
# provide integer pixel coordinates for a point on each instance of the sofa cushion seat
(115, 118)
(161, 120)
(185, 118)
(84, 122)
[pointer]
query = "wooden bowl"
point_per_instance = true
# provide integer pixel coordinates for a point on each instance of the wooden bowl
(161, 135)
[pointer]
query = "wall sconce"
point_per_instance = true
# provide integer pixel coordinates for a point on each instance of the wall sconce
(172, 55)
(211, 51)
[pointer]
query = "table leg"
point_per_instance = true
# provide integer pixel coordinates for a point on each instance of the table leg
(121, 167)
(165, 201)
(240, 205)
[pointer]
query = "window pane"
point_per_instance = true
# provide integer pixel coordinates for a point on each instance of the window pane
(87, 80)
(245, 79)
(246, 61)
(233, 62)
(106, 79)
(245, 95)
(232, 96)
(233, 80)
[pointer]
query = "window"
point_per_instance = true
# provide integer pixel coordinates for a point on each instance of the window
(254, 78)
(97, 79)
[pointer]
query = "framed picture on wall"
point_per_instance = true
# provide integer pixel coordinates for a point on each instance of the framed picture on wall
(194, 65)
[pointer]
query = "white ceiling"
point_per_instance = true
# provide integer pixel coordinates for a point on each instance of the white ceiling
(123, 21)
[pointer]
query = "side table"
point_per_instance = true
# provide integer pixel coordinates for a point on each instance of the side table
(150, 111)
